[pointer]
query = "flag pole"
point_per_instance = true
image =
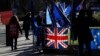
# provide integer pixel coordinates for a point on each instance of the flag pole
(72, 1)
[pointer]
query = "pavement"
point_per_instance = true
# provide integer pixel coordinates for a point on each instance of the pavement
(23, 46)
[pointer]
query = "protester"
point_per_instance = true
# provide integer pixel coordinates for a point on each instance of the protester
(83, 32)
(40, 19)
(27, 24)
(14, 29)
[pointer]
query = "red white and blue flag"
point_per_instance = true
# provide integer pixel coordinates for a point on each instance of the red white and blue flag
(57, 34)
(57, 38)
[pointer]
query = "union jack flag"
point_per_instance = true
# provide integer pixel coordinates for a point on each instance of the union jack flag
(57, 38)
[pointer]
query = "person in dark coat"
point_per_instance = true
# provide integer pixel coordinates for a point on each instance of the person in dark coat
(83, 32)
(7, 36)
(40, 19)
(14, 29)
(27, 24)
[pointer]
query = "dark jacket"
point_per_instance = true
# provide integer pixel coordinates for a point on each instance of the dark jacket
(26, 23)
(82, 26)
(40, 26)
(39, 21)
(14, 28)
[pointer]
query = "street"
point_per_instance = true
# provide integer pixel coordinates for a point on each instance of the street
(26, 47)
(23, 44)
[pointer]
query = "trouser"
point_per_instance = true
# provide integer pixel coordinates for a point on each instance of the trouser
(81, 47)
(43, 42)
(7, 36)
(26, 33)
(13, 43)
(7, 41)
(40, 37)
(39, 41)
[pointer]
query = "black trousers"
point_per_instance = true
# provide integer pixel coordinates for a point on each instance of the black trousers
(7, 36)
(26, 33)
(81, 47)
(40, 40)
(13, 43)
(40, 37)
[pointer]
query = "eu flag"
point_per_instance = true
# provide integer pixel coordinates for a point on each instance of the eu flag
(60, 17)
(95, 44)
(48, 17)
(67, 10)
(62, 5)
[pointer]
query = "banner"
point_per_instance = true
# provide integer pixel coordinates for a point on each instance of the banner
(6, 16)
(58, 35)
(95, 44)
(57, 38)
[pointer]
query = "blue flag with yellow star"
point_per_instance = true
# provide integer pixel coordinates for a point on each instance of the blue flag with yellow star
(95, 44)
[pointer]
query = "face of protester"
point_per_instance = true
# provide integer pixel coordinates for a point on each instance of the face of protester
(41, 14)
(30, 16)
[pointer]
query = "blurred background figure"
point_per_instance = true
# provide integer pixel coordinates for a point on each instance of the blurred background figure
(14, 29)
(83, 32)
(27, 24)
(40, 20)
